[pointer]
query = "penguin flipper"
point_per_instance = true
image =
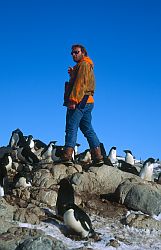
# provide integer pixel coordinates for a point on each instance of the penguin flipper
(83, 218)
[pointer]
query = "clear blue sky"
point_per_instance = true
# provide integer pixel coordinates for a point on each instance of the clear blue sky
(122, 37)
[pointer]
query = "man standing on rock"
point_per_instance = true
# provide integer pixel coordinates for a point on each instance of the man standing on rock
(79, 100)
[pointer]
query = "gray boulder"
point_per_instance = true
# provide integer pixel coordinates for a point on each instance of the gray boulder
(31, 214)
(142, 221)
(43, 178)
(61, 171)
(46, 196)
(42, 243)
(104, 179)
(6, 210)
(141, 196)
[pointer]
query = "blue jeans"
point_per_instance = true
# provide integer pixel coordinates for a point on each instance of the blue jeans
(80, 118)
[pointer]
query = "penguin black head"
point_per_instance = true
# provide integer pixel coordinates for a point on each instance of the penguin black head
(113, 148)
(64, 182)
(30, 137)
(53, 142)
(128, 151)
(149, 160)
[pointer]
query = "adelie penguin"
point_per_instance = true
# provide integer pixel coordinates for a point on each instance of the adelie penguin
(30, 142)
(22, 179)
(65, 196)
(84, 157)
(78, 221)
(146, 172)
(25, 155)
(47, 151)
(111, 158)
(112, 155)
(17, 139)
(127, 165)
(5, 166)
(129, 157)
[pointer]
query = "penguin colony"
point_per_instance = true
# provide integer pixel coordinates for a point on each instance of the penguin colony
(32, 152)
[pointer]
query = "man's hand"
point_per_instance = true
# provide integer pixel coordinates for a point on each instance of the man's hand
(71, 105)
(70, 70)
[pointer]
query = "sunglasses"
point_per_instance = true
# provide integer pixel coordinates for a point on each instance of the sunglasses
(75, 52)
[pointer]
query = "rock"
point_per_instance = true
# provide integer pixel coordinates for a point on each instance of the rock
(140, 196)
(42, 243)
(31, 214)
(15, 236)
(104, 179)
(5, 225)
(6, 210)
(142, 221)
(7, 242)
(61, 171)
(22, 193)
(46, 196)
(43, 178)
(113, 243)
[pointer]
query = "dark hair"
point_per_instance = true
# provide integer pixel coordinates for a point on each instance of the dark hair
(83, 49)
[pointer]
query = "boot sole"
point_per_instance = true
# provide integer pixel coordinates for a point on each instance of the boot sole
(67, 163)
(98, 164)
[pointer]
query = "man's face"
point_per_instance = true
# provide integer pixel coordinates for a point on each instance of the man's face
(77, 54)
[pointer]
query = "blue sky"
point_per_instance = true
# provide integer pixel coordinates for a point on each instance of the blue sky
(123, 38)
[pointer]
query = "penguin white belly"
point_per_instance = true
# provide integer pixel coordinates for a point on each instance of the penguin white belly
(112, 156)
(72, 223)
(129, 159)
(32, 144)
(146, 173)
(14, 140)
(47, 154)
(9, 165)
(1, 191)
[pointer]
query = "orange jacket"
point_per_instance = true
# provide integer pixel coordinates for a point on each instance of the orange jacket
(82, 81)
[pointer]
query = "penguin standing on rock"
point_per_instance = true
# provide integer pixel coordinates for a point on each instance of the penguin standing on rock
(65, 196)
(111, 158)
(47, 151)
(112, 155)
(25, 155)
(5, 166)
(78, 221)
(146, 172)
(17, 139)
(84, 157)
(129, 157)
(30, 142)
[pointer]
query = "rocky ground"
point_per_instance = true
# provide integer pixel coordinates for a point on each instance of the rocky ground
(107, 194)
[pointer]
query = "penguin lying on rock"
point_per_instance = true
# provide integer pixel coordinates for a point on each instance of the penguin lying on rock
(22, 179)
(78, 221)
(74, 217)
